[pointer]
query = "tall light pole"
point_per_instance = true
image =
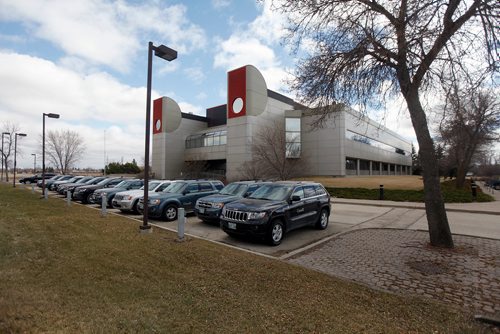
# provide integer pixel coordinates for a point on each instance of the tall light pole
(4, 133)
(168, 54)
(15, 155)
(50, 115)
(34, 162)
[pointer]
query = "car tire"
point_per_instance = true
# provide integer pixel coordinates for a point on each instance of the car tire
(276, 232)
(87, 198)
(134, 207)
(170, 212)
(322, 222)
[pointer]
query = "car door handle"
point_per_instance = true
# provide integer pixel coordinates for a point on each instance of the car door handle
(300, 210)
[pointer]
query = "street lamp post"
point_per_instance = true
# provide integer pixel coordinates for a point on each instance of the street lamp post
(168, 54)
(15, 155)
(4, 133)
(50, 115)
(34, 162)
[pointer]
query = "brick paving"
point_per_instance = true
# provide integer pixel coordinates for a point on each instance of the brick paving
(401, 261)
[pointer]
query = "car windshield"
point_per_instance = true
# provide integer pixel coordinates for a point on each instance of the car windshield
(273, 192)
(104, 182)
(152, 185)
(237, 189)
(123, 184)
(94, 180)
(175, 187)
(73, 179)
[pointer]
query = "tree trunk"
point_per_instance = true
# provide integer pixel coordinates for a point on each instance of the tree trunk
(439, 229)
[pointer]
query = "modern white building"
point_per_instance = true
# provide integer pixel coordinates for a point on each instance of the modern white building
(347, 144)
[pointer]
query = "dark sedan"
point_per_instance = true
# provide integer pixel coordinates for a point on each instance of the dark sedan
(84, 193)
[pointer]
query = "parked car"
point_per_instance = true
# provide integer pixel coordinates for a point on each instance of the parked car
(51, 181)
(61, 189)
(84, 193)
(53, 178)
(95, 180)
(35, 178)
(126, 201)
(56, 184)
(131, 184)
(495, 184)
(209, 208)
(277, 208)
(183, 194)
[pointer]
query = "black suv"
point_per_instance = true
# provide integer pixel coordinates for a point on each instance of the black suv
(276, 208)
(35, 178)
(183, 194)
(209, 208)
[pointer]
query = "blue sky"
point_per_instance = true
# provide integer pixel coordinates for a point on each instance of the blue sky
(86, 60)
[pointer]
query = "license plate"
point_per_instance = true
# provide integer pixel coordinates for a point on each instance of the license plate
(232, 226)
(201, 210)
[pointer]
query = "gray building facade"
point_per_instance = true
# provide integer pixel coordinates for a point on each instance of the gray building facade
(347, 144)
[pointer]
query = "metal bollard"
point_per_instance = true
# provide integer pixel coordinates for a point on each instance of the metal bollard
(68, 197)
(474, 191)
(46, 194)
(181, 221)
(103, 205)
(32, 188)
(381, 193)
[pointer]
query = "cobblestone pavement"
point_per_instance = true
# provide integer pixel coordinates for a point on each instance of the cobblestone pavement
(402, 261)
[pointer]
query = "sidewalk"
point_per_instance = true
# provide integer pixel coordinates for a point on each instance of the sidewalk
(402, 261)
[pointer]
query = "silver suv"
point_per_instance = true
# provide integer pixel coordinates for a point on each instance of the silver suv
(126, 201)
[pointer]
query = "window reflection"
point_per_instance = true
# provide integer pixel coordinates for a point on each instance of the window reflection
(292, 137)
(214, 138)
(372, 142)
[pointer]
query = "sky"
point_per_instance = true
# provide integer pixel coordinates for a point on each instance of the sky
(87, 61)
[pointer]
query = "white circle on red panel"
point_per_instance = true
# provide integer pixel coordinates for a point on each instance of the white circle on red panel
(158, 125)
(238, 105)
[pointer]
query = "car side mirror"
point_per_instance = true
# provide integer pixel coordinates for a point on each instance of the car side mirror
(295, 198)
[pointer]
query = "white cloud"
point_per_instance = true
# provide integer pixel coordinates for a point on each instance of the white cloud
(201, 96)
(220, 3)
(104, 32)
(195, 74)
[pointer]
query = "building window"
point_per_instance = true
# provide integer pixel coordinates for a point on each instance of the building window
(372, 142)
(350, 164)
(292, 137)
(214, 138)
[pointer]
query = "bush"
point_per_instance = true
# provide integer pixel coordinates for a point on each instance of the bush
(450, 194)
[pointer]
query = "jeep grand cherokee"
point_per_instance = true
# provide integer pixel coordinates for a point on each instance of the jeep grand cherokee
(277, 208)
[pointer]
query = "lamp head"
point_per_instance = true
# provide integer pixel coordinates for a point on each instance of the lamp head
(51, 115)
(165, 52)
(21, 134)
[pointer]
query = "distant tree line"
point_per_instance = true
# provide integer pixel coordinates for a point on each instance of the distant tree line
(123, 168)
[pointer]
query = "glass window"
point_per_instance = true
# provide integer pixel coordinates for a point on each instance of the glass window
(309, 191)
(292, 124)
(299, 191)
(205, 186)
(292, 137)
(350, 164)
(192, 188)
(319, 190)
(277, 192)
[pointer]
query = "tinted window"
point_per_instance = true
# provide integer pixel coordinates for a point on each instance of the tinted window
(192, 188)
(319, 190)
(309, 191)
(299, 191)
(175, 187)
(205, 186)
(163, 187)
(219, 185)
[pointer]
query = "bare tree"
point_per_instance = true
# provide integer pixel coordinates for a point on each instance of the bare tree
(8, 150)
(367, 50)
(64, 149)
(470, 120)
(275, 156)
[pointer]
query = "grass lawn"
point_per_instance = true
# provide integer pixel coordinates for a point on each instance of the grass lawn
(66, 269)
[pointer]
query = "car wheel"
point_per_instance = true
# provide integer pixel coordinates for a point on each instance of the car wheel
(276, 232)
(87, 199)
(170, 212)
(134, 207)
(322, 220)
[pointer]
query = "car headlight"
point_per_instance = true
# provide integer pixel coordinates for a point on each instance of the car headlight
(129, 198)
(256, 215)
(154, 201)
(217, 205)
